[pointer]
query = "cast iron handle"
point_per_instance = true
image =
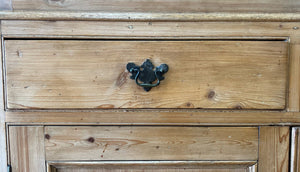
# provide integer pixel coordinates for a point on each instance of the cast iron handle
(146, 74)
(143, 84)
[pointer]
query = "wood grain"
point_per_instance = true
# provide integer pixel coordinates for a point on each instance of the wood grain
(173, 6)
(294, 81)
(151, 143)
(154, 117)
(27, 148)
(147, 170)
(274, 149)
(295, 151)
(147, 166)
(203, 74)
(3, 131)
(131, 30)
(138, 16)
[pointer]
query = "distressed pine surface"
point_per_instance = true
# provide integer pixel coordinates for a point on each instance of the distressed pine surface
(274, 147)
(178, 30)
(154, 117)
(134, 16)
(149, 170)
(295, 150)
(149, 29)
(149, 166)
(151, 143)
(174, 6)
(294, 69)
(203, 74)
(3, 146)
(27, 148)
(175, 30)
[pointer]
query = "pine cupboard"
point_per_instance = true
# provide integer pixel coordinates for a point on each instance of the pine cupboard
(144, 86)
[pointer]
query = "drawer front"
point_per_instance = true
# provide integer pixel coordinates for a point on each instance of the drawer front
(151, 143)
(47, 74)
(135, 148)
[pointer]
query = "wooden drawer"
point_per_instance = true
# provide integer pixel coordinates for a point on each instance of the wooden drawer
(150, 143)
(135, 148)
(148, 148)
(209, 74)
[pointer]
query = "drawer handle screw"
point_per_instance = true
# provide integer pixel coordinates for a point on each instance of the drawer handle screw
(146, 74)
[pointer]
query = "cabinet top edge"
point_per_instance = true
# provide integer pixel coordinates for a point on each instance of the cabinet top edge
(134, 16)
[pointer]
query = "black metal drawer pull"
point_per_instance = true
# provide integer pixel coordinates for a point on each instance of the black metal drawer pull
(146, 74)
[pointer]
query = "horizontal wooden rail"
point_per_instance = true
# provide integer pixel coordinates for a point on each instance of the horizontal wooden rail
(220, 118)
(134, 16)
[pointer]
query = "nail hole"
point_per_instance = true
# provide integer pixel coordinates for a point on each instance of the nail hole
(91, 139)
(47, 136)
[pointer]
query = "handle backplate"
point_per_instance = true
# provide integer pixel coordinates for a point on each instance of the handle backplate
(146, 74)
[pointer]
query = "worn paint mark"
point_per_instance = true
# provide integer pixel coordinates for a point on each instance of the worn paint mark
(105, 146)
(19, 53)
(56, 2)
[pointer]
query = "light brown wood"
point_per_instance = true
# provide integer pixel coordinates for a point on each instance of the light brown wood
(85, 29)
(202, 74)
(173, 6)
(3, 154)
(295, 151)
(142, 16)
(192, 30)
(294, 84)
(154, 117)
(174, 30)
(147, 170)
(151, 143)
(27, 148)
(140, 24)
(274, 149)
(153, 164)
(3, 150)
(201, 166)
